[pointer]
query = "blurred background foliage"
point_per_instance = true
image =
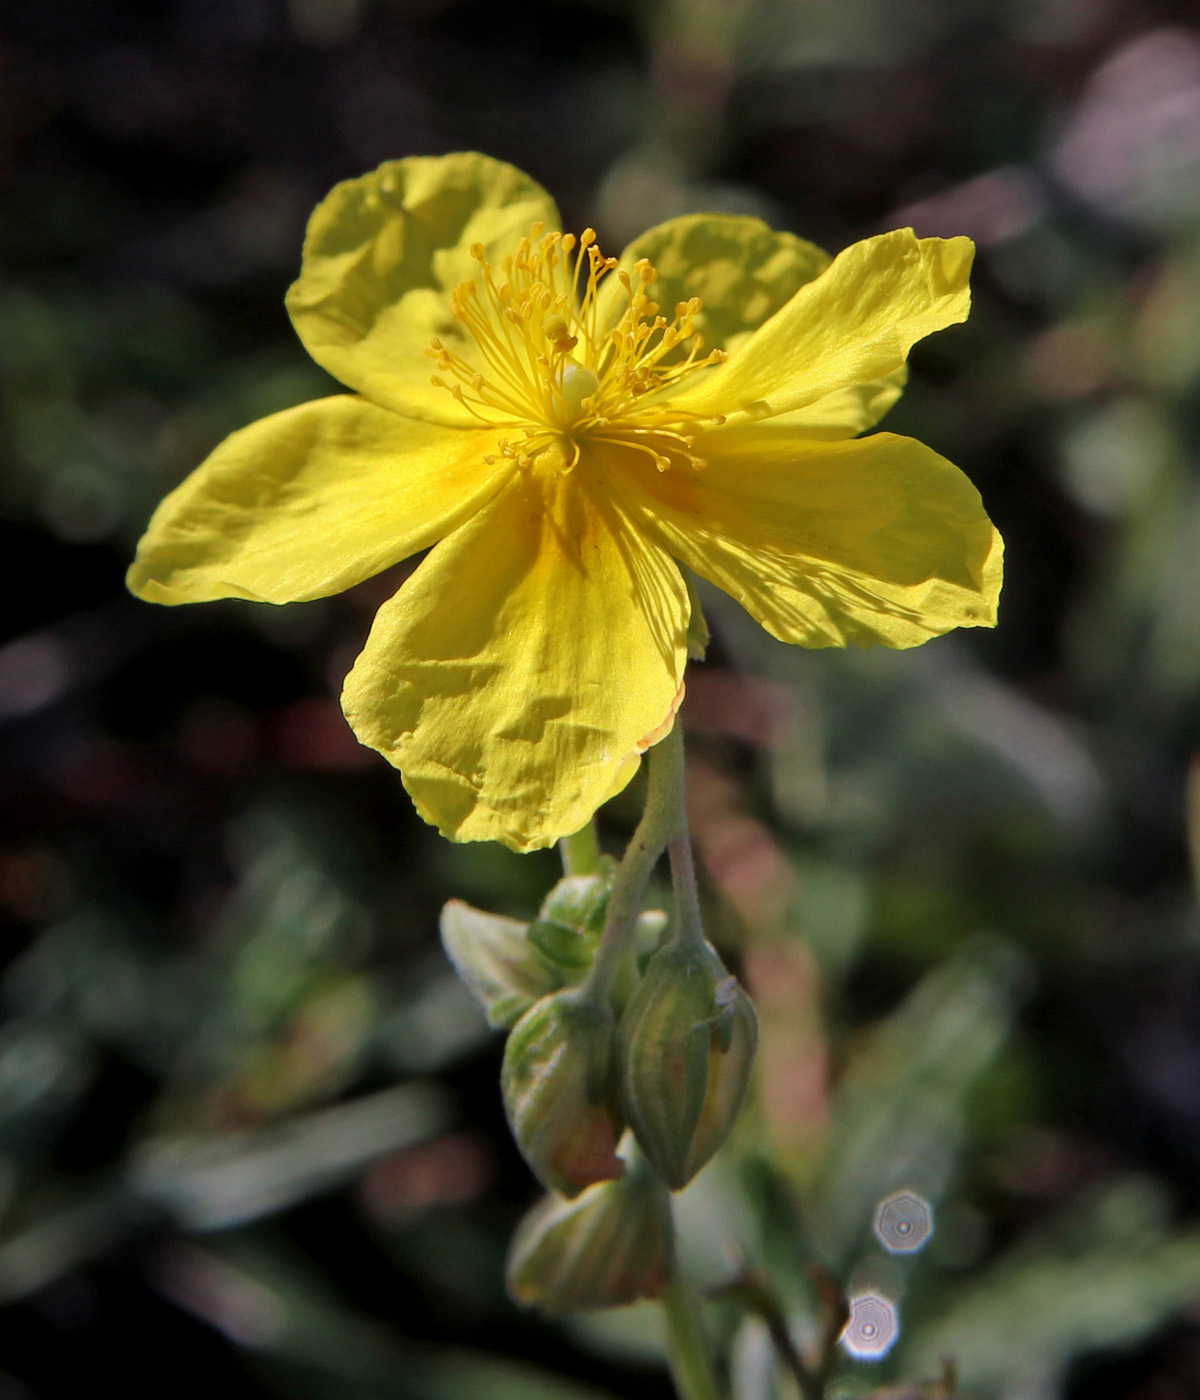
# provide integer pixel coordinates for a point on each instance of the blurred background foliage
(250, 1134)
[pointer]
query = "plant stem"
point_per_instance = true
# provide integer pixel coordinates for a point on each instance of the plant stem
(689, 926)
(661, 823)
(580, 852)
(690, 1364)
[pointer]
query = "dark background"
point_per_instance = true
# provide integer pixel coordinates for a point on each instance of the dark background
(957, 879)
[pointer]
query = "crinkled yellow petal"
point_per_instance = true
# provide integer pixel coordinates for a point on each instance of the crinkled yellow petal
(874, 540)
(853, 324)
(846, 412)
(310, 501)
(381, 256)
(742, 269)
(531, 655)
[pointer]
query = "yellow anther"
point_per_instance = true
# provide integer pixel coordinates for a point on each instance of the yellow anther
(550, 368)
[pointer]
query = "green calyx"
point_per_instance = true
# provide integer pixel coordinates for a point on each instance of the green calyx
(493, 956)
(610, 1246)
(558, 1088)
(686, 1047)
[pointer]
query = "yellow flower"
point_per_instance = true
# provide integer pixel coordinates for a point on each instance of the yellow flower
(549, 420)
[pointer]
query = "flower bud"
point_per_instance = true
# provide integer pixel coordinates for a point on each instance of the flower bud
(557, 1082)
(571, 919)
(494, 957)
(608, 1247)
(687, 1043)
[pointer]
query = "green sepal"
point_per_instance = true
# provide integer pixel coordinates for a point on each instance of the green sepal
(686, 1046)
(610, 1246)
(559, 1091)
(494, 957)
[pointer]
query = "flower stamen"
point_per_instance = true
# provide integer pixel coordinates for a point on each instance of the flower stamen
(547, 364)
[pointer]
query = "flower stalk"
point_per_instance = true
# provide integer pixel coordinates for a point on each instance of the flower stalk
(662, 822)
(691, 1366)
(688, 924)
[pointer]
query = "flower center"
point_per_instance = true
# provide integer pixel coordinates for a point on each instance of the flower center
(563, 364)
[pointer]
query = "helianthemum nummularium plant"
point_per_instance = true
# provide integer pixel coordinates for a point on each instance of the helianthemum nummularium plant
(567, 433)
(567, 429)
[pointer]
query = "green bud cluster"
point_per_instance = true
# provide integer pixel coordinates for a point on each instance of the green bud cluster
(509, 964)
(558, 1078)
(666, 1051)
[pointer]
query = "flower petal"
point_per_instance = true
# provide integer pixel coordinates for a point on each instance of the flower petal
(531, 655)
(310, 501)
(853, 324)
(846, 412)
(871, 540)
(381, 256)
(741, 268)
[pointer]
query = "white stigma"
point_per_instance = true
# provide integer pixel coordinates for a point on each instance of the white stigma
(577, 383)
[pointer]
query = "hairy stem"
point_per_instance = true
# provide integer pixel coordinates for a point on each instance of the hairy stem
(662, 821)
(690, 1364)
(688, 925)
